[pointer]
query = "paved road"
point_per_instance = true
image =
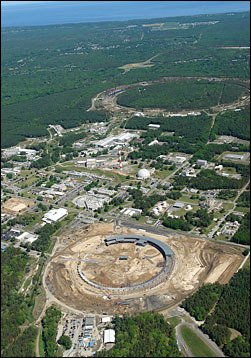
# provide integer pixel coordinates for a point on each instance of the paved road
(165, 232)
(200, 334)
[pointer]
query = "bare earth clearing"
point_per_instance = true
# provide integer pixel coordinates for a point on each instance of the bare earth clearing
(196, 261)
(15, 205)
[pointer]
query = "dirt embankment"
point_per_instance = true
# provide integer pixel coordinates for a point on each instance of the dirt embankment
(195, 261)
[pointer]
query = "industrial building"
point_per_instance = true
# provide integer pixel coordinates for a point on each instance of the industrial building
(55, 215)
(27, 237)
(109, 336)
(91, 201)
(131, 211)
(106, 319)
(89, 322)
(30, 153)
(121, 140)
(178, 205)
(13, 171)
(153, 126)
(235, 156)
(202, 163)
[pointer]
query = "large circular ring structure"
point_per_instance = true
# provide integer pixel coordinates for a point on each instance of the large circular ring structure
(141, 241)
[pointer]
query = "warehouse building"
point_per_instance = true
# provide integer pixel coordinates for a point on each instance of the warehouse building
(55, 215)
(202, 163)
(109, 336)
(235, 156)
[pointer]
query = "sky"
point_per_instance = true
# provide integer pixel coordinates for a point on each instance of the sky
(9, 3)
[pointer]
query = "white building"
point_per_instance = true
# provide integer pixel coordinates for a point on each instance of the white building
(143, 174)
(202, 163)
(234, 156)
(106, 319)
(109, 336)
(121, 139)
(54, 215)
(27, 237)
(60, 187)
(131, 211)
(153, 126)
(153, 142)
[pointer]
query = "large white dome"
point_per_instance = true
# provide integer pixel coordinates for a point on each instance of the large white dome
(143, 174)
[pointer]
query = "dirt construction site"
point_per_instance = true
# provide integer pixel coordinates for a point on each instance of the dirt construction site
(195, 261)
(15, 205)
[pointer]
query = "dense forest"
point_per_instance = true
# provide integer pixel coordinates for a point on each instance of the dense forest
(223, 307)
(242, 236)
(14, 264)
(143, 335)
(194, 128)
(49, 333)
(50, 73)
(207, 179)
(233, 123)
(200, 218)
(181, 94)
(201, 302)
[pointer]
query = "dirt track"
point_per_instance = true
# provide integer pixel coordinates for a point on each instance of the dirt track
(196, 261)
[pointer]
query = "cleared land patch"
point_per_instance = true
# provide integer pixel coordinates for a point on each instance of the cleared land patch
(195, 260)
(15, 205)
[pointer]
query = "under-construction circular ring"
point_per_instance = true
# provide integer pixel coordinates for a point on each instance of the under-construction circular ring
(141, 241)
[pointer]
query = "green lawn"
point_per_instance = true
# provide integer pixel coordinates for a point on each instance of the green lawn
(195, 344)
(162, 174)
(174, 321)
(28, 182)
(27, 284)
(242, 209)
(187, 198)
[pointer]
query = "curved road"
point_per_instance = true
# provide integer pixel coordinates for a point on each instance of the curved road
(200, 334)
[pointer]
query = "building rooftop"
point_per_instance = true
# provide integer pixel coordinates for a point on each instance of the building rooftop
(109, 336)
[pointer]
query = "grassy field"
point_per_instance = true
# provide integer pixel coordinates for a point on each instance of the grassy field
(162, 174)
(174, 321)
(242, 209)
(41, 345)
(247, 263)
(195, 344)
(28, 182)
(187, 198)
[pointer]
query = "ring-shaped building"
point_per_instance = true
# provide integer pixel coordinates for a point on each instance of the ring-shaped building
(140, 241)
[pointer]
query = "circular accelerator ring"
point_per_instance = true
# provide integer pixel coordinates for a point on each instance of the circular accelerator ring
(140, 241)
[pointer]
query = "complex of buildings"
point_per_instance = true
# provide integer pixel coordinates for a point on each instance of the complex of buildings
(119, 140)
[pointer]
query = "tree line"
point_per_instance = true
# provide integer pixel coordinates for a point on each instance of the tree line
(223, 307)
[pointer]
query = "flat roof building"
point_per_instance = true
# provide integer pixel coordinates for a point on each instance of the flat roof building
(202, 163)
(54, 215)
(89, 321)
(106, 319)
(234, 156)
(123, 257)
(178, 204)
(109, 336)
(153, 126)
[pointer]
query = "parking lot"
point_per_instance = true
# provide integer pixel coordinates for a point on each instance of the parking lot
(86, 334)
